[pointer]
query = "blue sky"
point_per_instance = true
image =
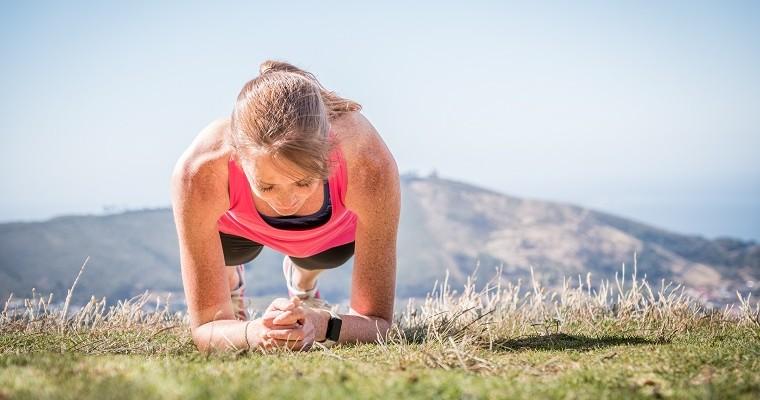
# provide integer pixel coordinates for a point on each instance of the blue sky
(647, 110)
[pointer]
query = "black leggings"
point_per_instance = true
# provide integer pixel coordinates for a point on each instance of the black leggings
(239, 250)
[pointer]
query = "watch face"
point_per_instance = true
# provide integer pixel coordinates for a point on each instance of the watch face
(333, 329)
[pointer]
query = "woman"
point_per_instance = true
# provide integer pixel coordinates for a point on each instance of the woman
(301, 170)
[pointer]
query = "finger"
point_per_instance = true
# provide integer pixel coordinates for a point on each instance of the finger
(290, 317)
(272, 325)
(297, 339)
(300, 345)
(288, 334)
(297, 313)
(271, 314)
(281, 304)
(268, 320)
(263, 336)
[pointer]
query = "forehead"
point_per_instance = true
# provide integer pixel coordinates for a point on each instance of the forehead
(266, 169)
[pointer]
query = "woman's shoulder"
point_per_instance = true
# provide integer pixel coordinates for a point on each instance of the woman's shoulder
(209, 149)
(203, 165)
(359, 140)
(369, 162)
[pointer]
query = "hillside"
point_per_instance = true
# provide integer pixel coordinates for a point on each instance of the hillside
(445, 225)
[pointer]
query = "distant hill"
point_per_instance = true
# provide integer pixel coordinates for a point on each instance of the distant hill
(445, 225)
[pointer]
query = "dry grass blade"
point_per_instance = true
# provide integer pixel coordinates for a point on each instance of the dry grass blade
(68, 296)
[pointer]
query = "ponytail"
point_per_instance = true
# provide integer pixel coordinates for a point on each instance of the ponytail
(335, 104)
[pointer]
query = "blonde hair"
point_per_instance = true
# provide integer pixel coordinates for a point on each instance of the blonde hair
(285, 112)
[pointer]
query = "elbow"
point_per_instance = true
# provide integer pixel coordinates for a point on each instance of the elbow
(378, 326)
(202, 348)
(383, 330)
(382, 325)
(201, 339)
(201, 343)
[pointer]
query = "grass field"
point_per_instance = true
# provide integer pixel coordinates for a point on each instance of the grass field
(624, 339)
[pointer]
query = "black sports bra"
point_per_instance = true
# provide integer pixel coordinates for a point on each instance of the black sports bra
(302, 222)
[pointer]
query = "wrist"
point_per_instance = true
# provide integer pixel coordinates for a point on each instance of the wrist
(253, 330)
(249, 340)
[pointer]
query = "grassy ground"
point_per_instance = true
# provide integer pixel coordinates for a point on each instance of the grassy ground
(617, 341)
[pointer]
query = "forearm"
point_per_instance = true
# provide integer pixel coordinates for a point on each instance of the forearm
(355, 328)
(222, 335)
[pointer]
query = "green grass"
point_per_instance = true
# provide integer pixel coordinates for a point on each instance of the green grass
(698, 364)
(618, 341)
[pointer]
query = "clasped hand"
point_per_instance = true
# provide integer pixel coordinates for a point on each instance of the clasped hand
(286, 323)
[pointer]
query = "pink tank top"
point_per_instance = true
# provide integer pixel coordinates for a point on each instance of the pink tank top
(243, 219)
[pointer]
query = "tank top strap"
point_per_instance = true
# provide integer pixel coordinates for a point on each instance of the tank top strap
(236, 181)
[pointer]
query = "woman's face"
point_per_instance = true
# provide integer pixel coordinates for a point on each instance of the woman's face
(272, 184)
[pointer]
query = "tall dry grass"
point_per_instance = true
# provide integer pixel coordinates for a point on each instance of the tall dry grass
(449, 329)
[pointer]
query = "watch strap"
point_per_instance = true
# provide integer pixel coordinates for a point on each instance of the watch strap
(333, 330)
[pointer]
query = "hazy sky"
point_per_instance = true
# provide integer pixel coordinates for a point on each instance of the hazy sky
(647, 110)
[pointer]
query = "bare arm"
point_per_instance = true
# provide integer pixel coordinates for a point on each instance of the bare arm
(199, 198)
(376, 200)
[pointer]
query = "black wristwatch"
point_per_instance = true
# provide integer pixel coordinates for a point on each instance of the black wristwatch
(333, 330)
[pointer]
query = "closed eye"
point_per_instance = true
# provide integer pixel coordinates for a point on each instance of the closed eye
(299, 184)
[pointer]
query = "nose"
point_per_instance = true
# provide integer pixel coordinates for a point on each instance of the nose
(287, 201)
